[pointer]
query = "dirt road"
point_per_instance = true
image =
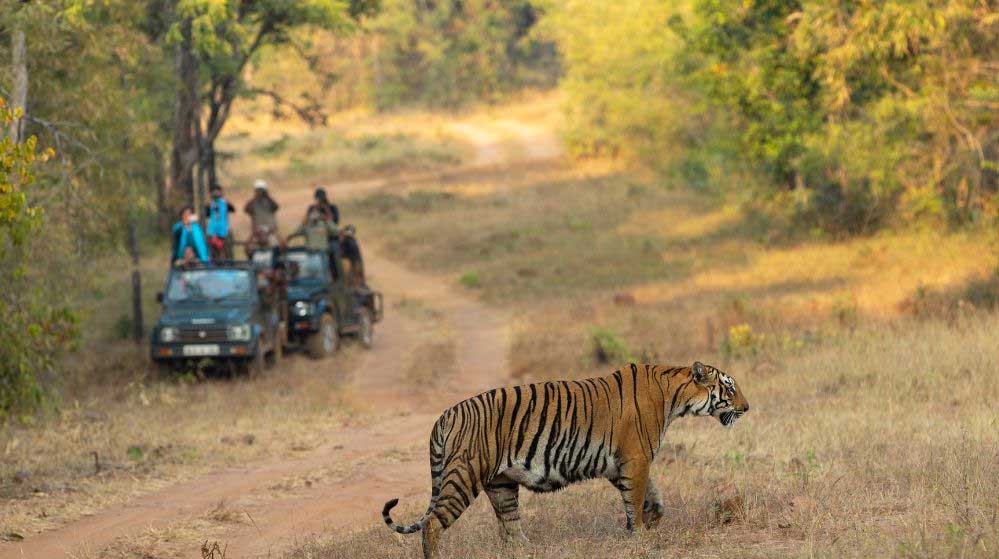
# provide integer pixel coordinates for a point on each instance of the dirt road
(345, 481)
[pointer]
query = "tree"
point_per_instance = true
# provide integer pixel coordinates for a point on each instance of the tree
(448, 53)
(19, 97)
(837, 116)
(215, 42)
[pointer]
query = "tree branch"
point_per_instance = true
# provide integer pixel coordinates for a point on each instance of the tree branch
(312, 113)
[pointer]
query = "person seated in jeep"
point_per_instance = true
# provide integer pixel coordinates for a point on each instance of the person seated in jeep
(263, 237)
(316, 230)
(188, 235)
(189, 261)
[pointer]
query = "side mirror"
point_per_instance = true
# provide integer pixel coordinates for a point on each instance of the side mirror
(159, 297)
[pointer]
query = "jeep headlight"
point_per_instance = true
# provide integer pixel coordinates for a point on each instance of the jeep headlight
(302, 308)
(239, 333)
(168, 334)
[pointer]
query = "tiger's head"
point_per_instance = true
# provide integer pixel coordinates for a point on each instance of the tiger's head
(718, 396)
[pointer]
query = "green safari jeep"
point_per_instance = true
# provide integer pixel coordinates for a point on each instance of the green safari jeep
(322, 306)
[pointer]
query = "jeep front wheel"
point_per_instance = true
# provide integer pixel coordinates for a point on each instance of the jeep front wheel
(324, 342)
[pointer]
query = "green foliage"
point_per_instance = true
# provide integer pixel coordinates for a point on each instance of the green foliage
(449, 53)
(618, 59)
(742, 341)
(33, 332)
(224, 33)
(470, 280)
(610, 347)
(135, 453)
(841, 117)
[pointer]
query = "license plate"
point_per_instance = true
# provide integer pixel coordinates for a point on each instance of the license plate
(201, 350)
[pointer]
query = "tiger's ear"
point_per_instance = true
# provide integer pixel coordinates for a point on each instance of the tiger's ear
(703, 374)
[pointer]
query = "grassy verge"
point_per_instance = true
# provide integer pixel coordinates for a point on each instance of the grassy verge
(874, 443)
(127, 433)
(869, 364)
(673, 273)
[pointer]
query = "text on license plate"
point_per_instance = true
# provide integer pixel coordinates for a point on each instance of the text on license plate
(201, 350)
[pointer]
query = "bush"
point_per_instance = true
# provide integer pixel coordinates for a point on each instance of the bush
(470, 280)
(742, 341)
(610, 347)
(33, 330)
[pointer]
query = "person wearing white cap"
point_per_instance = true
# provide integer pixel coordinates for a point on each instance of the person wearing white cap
(262, 208)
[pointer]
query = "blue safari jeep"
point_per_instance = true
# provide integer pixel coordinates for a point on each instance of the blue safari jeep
(220, 314)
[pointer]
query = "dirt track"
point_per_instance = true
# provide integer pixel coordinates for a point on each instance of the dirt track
(348, 478)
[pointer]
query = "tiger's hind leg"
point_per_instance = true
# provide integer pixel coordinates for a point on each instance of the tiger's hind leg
(431, 534)
(504, 495)
(652, 509)
(454, 499)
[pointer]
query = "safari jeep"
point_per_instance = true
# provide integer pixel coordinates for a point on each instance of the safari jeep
(322, 307)
(219, 314)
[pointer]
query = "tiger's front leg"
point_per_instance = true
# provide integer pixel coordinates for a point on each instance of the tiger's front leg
(652, 509)
(632, 484)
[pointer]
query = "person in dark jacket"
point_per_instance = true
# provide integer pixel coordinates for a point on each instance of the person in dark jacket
(316, 230)
(187, 233)
(218, 228)
(327, 209)
(351, 252)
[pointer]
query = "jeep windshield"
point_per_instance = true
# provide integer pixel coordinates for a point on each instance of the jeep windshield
(188, 286)
(310, 266)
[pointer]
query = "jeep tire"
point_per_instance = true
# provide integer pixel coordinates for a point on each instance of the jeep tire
(366, 328)
(325, 341)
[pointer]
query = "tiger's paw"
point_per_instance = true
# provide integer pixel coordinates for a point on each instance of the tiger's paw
(652, 517)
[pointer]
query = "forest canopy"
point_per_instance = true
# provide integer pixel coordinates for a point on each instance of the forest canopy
(844, 116)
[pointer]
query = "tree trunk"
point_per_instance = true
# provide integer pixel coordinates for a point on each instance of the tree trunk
(19, 100)
(163, 213)
(990, 174)
(185, 152)
(211, 171)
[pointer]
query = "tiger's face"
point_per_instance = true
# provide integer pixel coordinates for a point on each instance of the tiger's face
(723, 399)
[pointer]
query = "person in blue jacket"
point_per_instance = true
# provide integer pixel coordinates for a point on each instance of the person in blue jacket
(218, 229)
(187, 233)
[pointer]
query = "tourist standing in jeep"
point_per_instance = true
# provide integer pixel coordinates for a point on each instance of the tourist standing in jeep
(316, 230)
(327, 209)
(218, 228)
(262, 209)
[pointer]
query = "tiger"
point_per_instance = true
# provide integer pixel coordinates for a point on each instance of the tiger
(548, 435)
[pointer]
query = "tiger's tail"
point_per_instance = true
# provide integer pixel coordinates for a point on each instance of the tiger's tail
(414, 527)
(438, 441)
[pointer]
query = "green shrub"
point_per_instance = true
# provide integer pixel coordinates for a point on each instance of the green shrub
(470, 280)
(34, 331)
(610, 347)
(742, 341)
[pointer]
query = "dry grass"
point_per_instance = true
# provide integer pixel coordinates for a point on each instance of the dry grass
(872, 431)
(672, 272)
(878, 443)
(148, 434)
